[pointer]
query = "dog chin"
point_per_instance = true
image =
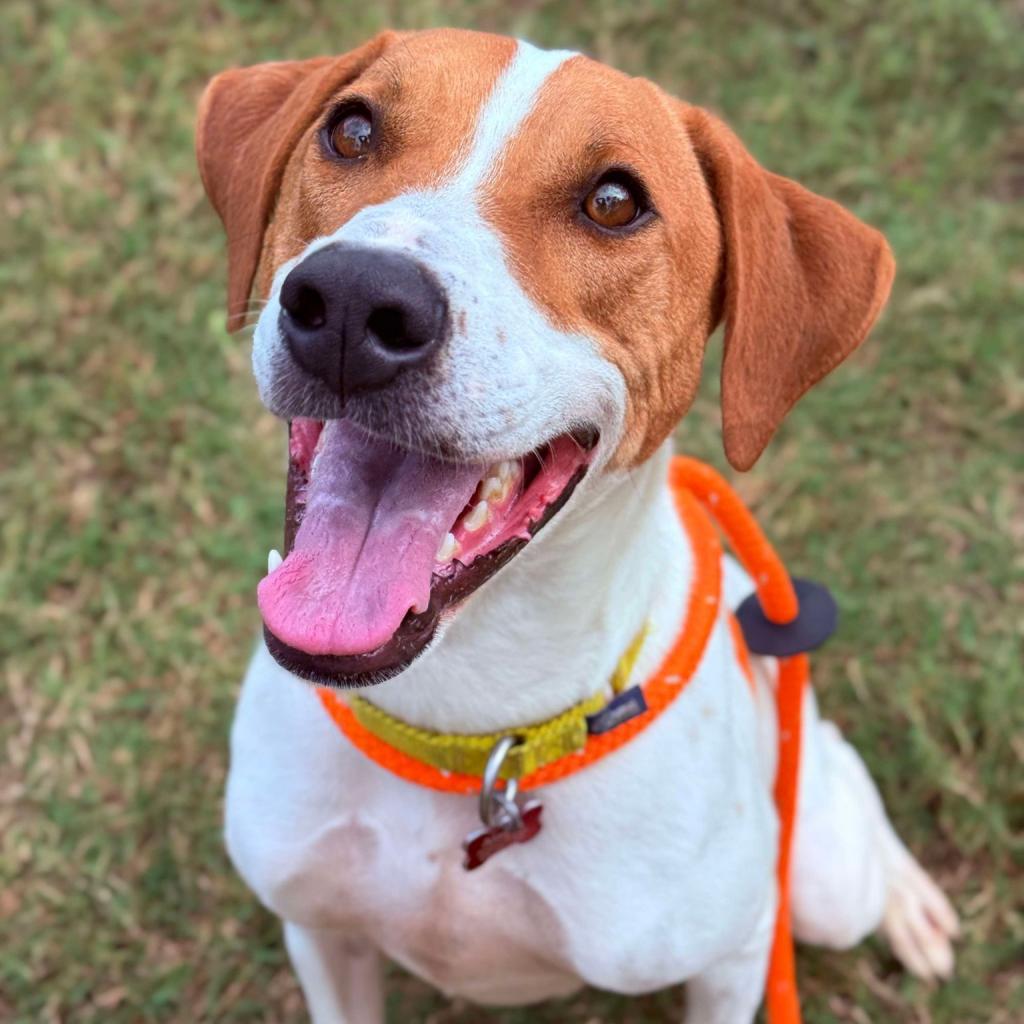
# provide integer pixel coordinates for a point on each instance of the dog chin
(350, 672)
(383, 545)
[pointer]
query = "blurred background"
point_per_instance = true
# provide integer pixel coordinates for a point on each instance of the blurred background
(142, 485)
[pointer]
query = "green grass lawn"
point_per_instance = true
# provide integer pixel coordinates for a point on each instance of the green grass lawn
(142, 485)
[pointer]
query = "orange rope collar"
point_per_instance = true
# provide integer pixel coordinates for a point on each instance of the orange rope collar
(702, 497)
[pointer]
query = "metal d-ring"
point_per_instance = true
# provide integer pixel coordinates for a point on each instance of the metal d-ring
(498, 807)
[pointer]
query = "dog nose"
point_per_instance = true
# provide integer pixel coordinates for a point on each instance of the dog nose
(354, 317)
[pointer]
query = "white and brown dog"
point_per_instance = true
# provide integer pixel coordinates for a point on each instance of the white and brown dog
(490, 273)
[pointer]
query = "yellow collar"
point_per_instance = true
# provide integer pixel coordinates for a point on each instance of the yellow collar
(466, 754)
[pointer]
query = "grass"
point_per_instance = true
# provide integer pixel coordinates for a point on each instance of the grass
(141, 484)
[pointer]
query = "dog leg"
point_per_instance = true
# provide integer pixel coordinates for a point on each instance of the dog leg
(730, 990)
(851, 873)
(341, 980)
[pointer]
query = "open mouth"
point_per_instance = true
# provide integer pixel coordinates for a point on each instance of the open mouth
(380, 541)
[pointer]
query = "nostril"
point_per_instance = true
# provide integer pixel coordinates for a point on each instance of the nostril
(388, 326)
(305, 305)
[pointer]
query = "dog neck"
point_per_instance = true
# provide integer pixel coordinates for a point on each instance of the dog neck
(549, 630)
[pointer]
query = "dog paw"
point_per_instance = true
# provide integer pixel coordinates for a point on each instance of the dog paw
(920, 924)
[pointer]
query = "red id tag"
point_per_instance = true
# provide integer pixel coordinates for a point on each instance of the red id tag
(484, 843)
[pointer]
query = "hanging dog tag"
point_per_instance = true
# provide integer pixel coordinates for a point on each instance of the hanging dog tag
(484, 843)
(506, 822)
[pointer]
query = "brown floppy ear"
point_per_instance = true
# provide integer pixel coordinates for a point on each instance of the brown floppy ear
(803, 283)
(250, 120)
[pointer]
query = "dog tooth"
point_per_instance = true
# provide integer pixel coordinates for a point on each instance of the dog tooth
(499, 480)
(274, 559)
(494, 488)
(478, 516)
(447, 549)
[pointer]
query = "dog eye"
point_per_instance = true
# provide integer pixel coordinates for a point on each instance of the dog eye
(350, 136)
(614, 202)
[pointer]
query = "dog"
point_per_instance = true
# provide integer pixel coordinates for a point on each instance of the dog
(487, 275)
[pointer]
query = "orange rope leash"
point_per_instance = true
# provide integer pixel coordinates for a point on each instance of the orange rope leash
(780, 990)
(758, 557)
(779, 603)
(692, 482)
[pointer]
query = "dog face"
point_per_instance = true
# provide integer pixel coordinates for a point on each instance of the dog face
(490, 270)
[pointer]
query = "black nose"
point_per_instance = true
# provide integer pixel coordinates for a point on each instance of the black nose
(355, 317)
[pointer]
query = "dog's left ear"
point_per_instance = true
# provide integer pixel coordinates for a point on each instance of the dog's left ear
(250, 120)
(803, 283)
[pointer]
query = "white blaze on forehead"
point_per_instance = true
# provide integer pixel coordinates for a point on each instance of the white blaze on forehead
(505, 109)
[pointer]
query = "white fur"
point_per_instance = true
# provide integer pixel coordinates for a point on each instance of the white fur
(655, 865)
(508, 105)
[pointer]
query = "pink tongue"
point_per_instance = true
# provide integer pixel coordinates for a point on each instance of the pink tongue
(364, 552)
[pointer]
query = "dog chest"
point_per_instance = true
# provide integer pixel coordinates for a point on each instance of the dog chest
(648, 863)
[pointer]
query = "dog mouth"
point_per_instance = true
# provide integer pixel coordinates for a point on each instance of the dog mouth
(381, 541)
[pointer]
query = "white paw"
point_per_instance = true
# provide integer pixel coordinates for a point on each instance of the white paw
(919, 921)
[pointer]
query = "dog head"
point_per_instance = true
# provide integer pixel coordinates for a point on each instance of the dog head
(490, 270)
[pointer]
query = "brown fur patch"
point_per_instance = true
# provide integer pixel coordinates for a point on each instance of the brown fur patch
(429, 89)
(802, 280)
(260, 157)
(648, 297)
(249, 121)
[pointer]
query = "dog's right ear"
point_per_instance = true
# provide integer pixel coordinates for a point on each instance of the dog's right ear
(250, 120)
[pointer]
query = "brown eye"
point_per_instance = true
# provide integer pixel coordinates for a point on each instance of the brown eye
(612, 204)
(351, 137)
